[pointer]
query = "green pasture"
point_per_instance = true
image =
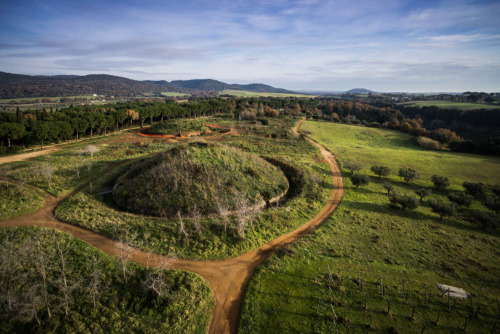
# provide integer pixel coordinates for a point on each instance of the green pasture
(450, 104)
(245, 93)
(367, 238)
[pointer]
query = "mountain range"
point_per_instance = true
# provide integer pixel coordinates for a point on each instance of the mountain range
(19, 86)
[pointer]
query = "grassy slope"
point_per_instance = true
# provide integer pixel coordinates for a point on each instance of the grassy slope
(450, 104)
(245, 93)
(98, 213)
(121, 306)
(365, 235)
(14, 202)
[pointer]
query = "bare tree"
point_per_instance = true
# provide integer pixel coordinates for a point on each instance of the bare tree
(224, 214)
(125, 254)
(196, 218)
(22, 181)
(95, 281)
(182, 229)
(76, 166)
(40, 260)
(32, 302)
(62, 262)
(6, 170)
(156, 282)
(47, 170)
(241, 224)
(7, 271)
(91, 150)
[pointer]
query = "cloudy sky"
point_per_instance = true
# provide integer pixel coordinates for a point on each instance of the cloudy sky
(383, 45)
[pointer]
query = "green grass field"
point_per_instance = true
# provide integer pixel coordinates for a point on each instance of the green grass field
(174, 94)
(15, 201)
(245, 93)
(449, 104)
(367, 237)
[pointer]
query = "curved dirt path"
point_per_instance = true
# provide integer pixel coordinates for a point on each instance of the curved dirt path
(228, 279)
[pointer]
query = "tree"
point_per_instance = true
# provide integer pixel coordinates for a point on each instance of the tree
(40, 130)
(359, 180)
(156, 281)
(408, 174)
(442, 208)
(381, 170)
(460, 199)
(65, 130)
(47, 171)
(405, 202)
(388, 187)
(12, 131)
(133, 115)
(80, 125)
(422, 192)
(5, 170)
(492, 203)
(353, 166)
(91, 150)
(485, 219)
(95, 281)
(440, 182)
(476, 190)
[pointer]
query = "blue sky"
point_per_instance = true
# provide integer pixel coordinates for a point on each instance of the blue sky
(383, 45)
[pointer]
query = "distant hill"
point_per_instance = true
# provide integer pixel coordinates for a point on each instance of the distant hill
(359, 91)
(217, 86)
(18, 86)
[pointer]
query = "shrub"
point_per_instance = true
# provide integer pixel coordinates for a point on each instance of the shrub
(442, 209)
(492, 203)
(408, 174)
(485, 219)
(461, 199)
(381, 170)
(440, 182)
(429, 144)
(359, 180)
(405, 202)
(476, 190)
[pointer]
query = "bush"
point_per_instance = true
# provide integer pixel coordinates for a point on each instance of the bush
(405, 202)
(359, 180)
(440, 182)
(381, 170)
(442, 209)
(429, 144)
(485, 219)
(461, 199)
(408, 174)
(476, 190)
(492, 203)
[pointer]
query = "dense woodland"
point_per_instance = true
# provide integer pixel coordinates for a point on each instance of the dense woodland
(433, 128)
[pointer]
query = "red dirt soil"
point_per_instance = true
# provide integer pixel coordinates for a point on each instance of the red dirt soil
(228, 279)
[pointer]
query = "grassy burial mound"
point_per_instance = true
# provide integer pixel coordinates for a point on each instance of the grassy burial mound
(198, 177)
(179, 127)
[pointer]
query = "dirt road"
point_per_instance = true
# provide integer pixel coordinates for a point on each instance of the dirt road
(228, 279)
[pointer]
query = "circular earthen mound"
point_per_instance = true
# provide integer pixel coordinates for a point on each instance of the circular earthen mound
(198, 178)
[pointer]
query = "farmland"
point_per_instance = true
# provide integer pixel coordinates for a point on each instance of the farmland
(244, 93)
(450, 104)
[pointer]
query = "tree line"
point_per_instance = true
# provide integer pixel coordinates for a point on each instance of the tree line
(24, 128)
